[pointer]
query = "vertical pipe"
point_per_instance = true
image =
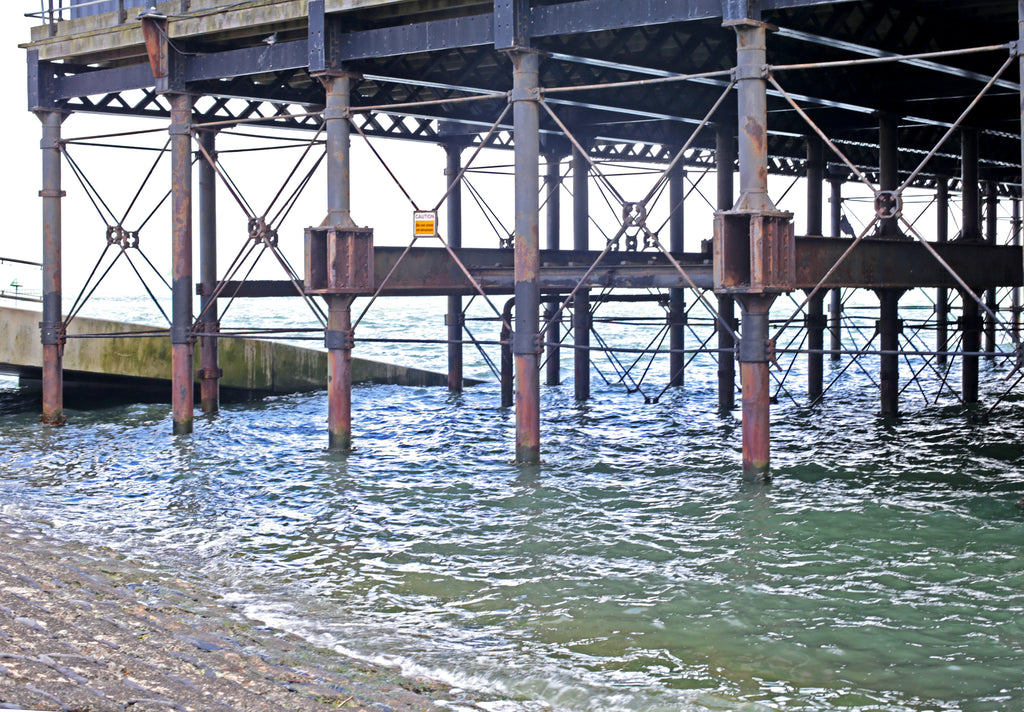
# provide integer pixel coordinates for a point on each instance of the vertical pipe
(1015, 291)
(507, 364)
(888, 299)
(453, 153)
(526, 130)
(553, 182)
(676, 296)
(942, 294)
(182, 396)
(970, 322)
(836, 297)
(816, 305)
(338, 337)
(889, 364)
(209, 368)
(753, 164)
(725, 157)
(581, 302)
(991, 230)
(52, 325)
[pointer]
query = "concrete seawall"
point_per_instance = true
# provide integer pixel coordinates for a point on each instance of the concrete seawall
(250, 366)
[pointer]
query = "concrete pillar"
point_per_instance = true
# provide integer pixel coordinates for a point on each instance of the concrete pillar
(209, 368)
(525, 347)
(725, 157)
(454, 318)
(182, 396)
(581, 302)
(676, 297)
(942, 294)
(835, 308)
(816, 305)
(991, 235)
(52, 324)
(338, 337)
(553, 183)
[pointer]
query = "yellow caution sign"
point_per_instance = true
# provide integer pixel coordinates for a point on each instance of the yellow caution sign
(425, 223)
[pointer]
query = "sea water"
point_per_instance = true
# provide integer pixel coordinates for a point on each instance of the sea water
(632, 570)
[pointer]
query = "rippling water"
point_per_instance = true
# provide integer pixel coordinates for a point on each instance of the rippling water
(632, 570)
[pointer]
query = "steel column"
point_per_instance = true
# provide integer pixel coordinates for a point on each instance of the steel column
(581, 302)
(816, 305)
(52, 325)
(754, 347)
(676, 297)
(553, 182)
(725, 157)
(1015, 291)
(754, 352)
(889, 361)
(942, 294)
(453, 153)
(835, 308)
(338, 337)
(991, 232)
(525, 346)
(970, 322)
(209, 368)
(888, 299)
(182, 395)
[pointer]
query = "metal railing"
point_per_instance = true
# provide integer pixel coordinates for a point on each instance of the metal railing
(53, 11)
(16, 289)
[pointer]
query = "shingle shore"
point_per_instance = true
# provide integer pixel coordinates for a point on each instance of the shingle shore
(88, 630)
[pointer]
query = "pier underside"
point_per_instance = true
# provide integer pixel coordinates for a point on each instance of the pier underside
(908, 113)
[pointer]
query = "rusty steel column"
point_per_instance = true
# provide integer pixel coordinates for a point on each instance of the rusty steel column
(754, 353)
(677, 296)
(209, 368)
(816, 305)
(888, 299)
(942, 294)
(581, 302)
(525, 346)
(991, 234)
(553, 182)
(338, 337)
(1015, 291)
(754, 347)
(725, 157)
(835, 307)
(52, 324)
(889, 327)
(182, 395)
(970, 322)
(454, 318)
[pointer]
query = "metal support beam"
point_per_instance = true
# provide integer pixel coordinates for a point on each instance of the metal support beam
(52, 325)
(889, 362)
(942, 294)
(991, 233)
(816, 305)
(338, 337)
(888, 167)
(553, 182)
(725, 157)
(453, 153)
(676, 297)
(581, 302)
(835, 326)
(525, 346)
(754, 352)
(970, 324)
(1015, 291)
(182, 396)
(209, 368)
(971, 230)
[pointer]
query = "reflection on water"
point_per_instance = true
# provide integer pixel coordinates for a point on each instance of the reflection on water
(630, 571)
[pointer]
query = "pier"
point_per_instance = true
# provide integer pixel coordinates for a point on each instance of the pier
(903, 119)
